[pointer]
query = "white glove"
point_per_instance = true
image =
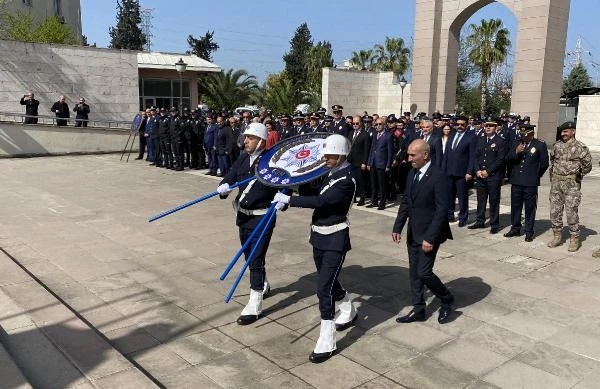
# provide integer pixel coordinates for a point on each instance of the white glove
(223, 189)
(279, 205)
(281, 198)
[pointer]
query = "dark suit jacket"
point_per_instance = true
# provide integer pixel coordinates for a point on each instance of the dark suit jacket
(382, 151)
(435, 150)
(342, 128)
(425, 208)
(459, 161)
(359, 151)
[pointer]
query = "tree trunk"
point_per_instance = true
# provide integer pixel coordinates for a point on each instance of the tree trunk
(484, 83)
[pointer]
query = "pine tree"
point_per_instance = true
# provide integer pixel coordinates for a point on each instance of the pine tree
(296, 69)
(203, 47)
(578, 78)
(127, 34)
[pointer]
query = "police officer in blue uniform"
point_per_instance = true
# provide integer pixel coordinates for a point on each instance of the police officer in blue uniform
(339, 125)
(165, 139)
(330, 239)
(489, 165)
(250, 205)
(176, 131)
(529, 160)
(286, 131)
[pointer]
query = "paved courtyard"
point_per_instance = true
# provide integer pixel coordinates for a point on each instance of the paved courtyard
(94, 296)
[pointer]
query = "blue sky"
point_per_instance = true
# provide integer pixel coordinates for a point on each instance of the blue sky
(255, 35)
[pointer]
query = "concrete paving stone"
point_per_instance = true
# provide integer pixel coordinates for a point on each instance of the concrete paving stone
(372, 319)
(128, 379)
(40, 361)
(294, 316)
(481, 385)
(576, 341)
(548, 310)
(416, 335)
(131, 339)
(239, 369)
(587, 263)
(528, 325)
(380, 383)
(575, 300)
(559, 362)
(160, 361)
(10, 375)
(377, 353)
(281, 380)
(256, 332)
(165, 328)
(191, 377)
(499, 340)
(287, 351)
(461, 325)
(515, 374)
(470, 357)
(88, 351)
(561, 270)
(204, 346)
(428, 373)
(338, 372)
(218, 314)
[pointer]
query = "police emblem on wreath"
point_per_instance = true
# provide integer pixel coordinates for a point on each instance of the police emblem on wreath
(293, 161)
(532, 150)
(136, 123)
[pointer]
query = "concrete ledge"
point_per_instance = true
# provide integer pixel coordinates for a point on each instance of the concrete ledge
(20, 140)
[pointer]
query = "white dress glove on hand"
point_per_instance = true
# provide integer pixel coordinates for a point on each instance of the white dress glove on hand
(223, 189)
(281, 198)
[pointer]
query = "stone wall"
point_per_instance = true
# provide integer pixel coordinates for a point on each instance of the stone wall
(588, 123)
(108, 79)
(360, 90)
(39, 140)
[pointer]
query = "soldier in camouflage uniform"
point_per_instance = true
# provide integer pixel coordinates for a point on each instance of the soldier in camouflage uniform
(570, 161)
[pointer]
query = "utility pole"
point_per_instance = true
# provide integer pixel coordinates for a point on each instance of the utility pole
(146, 14)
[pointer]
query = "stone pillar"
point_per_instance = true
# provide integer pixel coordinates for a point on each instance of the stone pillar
(538, 70)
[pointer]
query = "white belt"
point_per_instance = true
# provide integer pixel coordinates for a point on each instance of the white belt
(252, 212)
(328, 230)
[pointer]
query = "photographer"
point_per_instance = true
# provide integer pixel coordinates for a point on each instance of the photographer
(82, 110)
(61, 109)
(31, 108)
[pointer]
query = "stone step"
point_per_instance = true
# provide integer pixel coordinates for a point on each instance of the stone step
(52, 347)
(10, 374)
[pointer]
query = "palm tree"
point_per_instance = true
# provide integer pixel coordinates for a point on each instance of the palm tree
(362, 60)
(488, 45)
(393, 55)
(228, 89)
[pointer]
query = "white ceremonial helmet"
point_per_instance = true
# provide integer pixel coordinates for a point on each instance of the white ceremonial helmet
(256, 129)
(336, 144)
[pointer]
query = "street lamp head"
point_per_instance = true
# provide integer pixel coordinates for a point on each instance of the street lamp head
(402, 82)
(180, 65)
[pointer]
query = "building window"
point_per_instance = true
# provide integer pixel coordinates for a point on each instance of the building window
(163, 93)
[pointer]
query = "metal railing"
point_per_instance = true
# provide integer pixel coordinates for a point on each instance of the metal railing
(19, 118)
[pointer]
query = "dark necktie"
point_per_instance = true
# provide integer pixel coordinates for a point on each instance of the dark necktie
(415, 182)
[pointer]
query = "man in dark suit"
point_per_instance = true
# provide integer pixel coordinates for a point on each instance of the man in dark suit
(358, 158)
(529, 160)
(457, 163)
(379, 164)
(488, 165)
(434, 142)
(425, 206)
(286, 131)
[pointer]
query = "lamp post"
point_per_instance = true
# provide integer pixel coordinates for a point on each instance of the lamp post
(180, 66)
(403, 83)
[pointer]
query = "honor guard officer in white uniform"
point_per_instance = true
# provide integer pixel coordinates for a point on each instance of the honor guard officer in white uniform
(250, 205)
(330, 239)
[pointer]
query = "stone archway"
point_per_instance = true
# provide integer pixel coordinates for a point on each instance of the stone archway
(538, 68)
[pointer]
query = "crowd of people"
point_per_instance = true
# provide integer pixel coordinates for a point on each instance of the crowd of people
(60, 108)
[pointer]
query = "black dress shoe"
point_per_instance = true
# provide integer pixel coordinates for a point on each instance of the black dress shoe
(319, 357)
(512, 233)
(528, 237)
(444, 314)
(494, 230)
(360, 202)
(342, 327)
(475, 226)
(244, 320)
(381, 207)
(370, 205)
(462, 224)
(412, 316)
